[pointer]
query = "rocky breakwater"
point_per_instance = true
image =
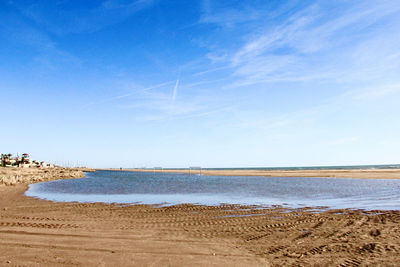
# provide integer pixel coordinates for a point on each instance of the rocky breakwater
(14, 176)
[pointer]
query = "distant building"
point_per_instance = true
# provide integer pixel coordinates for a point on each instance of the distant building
(24, 161)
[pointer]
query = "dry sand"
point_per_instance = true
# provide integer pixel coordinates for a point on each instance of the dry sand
(36, 232)
(359, 173)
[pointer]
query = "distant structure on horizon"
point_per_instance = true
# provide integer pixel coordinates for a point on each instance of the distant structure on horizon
(192, 168)
(24, 161)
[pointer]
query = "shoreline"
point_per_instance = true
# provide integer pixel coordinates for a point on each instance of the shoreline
(323, 173)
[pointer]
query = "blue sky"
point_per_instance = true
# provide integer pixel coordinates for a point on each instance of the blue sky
(132, 83)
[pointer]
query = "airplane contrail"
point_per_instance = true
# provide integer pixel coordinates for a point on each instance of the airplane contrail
(175, 90)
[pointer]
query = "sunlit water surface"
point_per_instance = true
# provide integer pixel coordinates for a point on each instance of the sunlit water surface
(171, 189)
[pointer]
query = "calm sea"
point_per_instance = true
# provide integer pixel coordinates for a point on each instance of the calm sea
(170, 189)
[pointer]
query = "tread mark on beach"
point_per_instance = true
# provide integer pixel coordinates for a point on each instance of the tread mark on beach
(350, 222)
(317, 250)
(258, 237)
(350, 263)
(303, 235)
(318, 224)
(31, 218)
(345, 234)
(38, 225)
(274, 250)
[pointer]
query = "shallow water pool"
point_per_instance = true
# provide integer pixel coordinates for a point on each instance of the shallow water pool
(171, 189)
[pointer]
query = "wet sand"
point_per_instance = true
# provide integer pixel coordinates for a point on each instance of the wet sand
(359, 173)
(37, 232)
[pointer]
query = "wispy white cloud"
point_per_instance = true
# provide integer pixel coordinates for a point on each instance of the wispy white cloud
(211, 70)
(182, 113)
(144, 89)
(376, 92)
(62, 20)
(226, 14)
(133, 4)
(318, 42)
(137, 91)
(229, 17)
(45, 54)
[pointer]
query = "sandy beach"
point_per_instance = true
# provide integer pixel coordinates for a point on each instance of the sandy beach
(353, 173)
(37, 232)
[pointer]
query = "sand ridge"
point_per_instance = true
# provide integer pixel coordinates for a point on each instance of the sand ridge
(321, 173)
